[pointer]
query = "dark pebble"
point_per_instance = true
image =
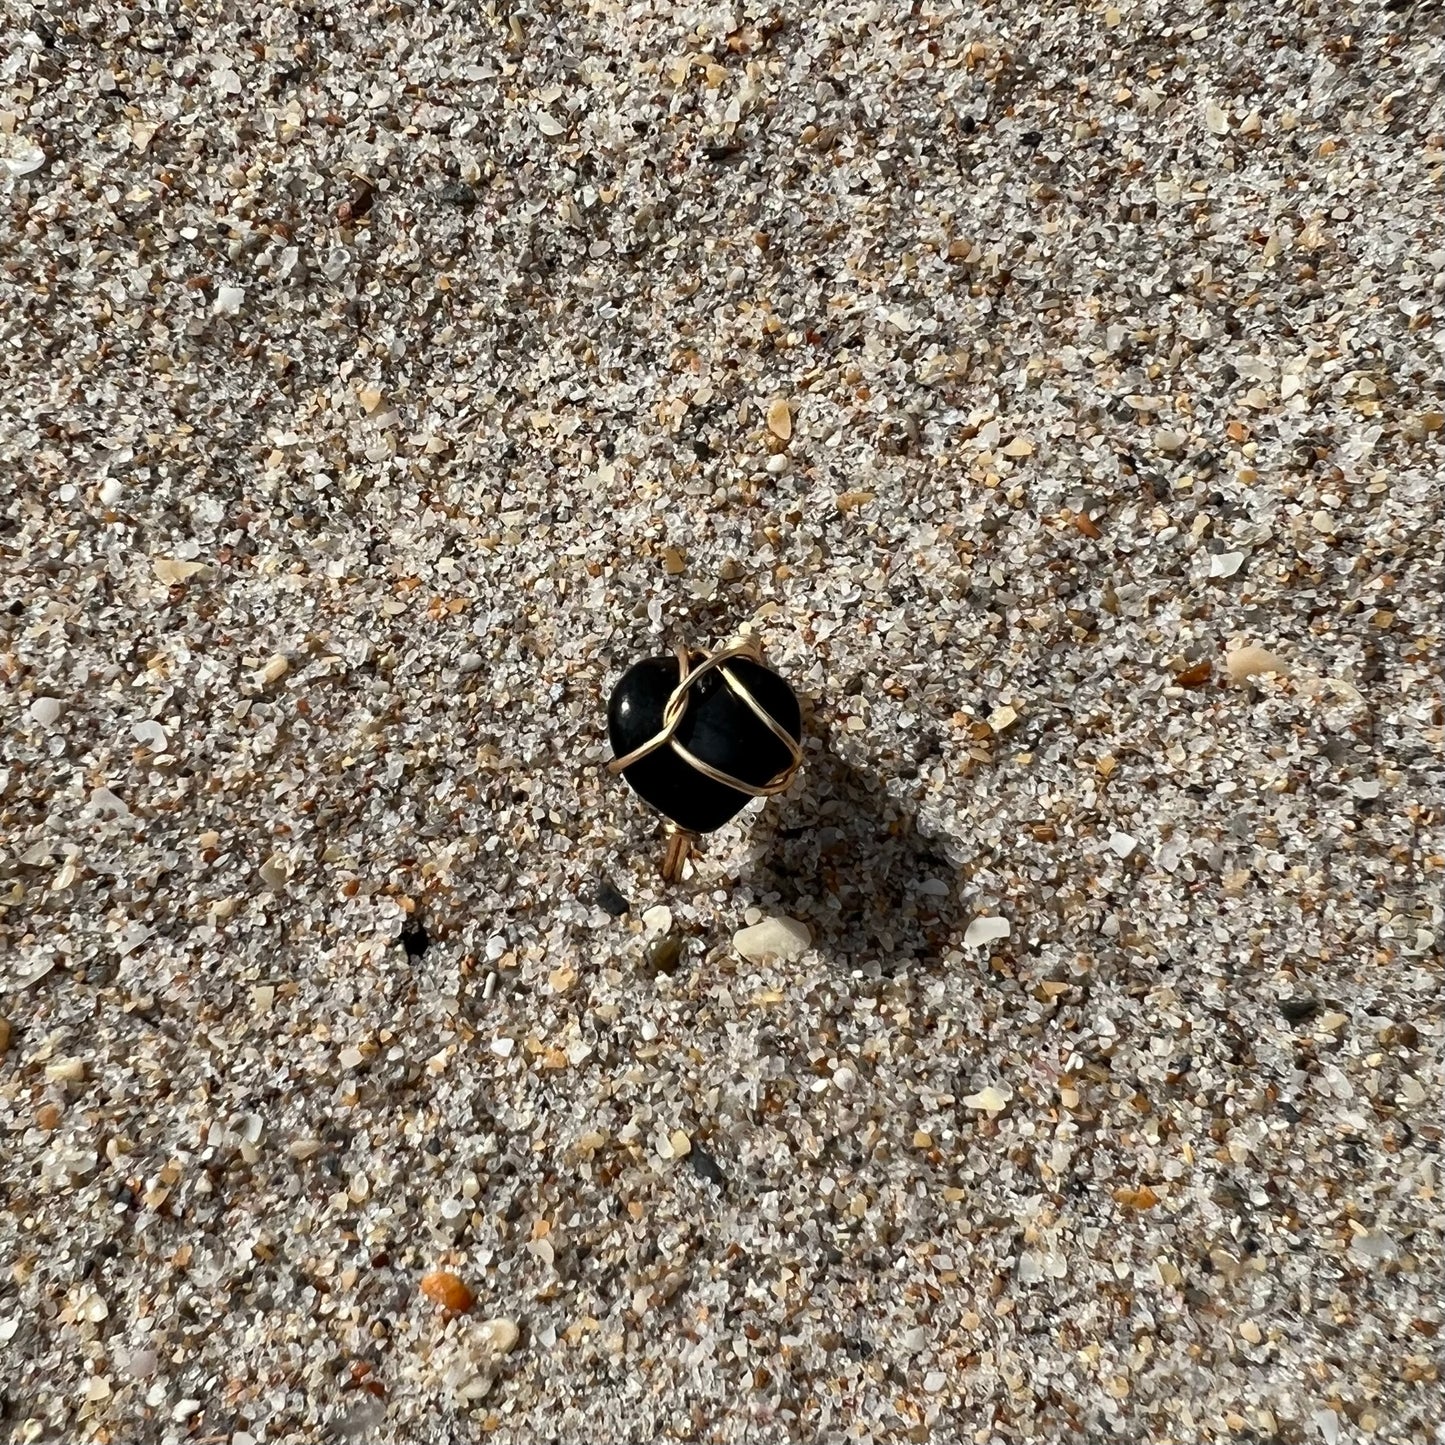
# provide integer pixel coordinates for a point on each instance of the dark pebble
(609, 900)
(454, 193)
(414, 938)
(664, 955)
(1296, 1010)
(706, 1167)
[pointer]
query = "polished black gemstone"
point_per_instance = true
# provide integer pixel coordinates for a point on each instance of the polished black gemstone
(718, 727)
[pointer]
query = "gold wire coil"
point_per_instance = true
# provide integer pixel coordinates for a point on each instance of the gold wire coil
(672, 715)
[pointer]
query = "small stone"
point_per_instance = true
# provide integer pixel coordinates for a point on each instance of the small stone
(991, 1099)
(1251, 1332)
(448, 1290)
(665, 953)
(680, 1143)
(782, 939)
(1216, 118)
(549, 125)
(934, 1381)
(469, 662)
(229, 300)
(1297, 1009)
(706, 1167)
(4, 1037)
(1122, 844)
(1246, 662)
(66, 1071)
(609, 900)
(983, 931)
(1169, 441)
(674, 561)
(1019, 447)
(275, 872)
(185, 1409)
(275, 670)
(780, 419)
(370, 399)
(657, 919)
(351, 1057)
(45, 711)
(141, 1364)
(500, 1335)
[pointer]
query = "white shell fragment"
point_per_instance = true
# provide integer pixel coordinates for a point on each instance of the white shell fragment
(46, 711)
(149, 735)
(983, 931)
(991, 1099)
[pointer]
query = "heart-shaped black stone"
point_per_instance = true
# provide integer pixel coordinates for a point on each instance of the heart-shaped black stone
(718, 727)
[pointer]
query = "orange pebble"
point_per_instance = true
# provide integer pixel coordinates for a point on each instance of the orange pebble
(447, 1289)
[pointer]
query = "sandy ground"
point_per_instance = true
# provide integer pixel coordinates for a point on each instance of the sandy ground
(1055, 389)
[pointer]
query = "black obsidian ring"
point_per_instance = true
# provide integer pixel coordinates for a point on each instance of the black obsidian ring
(698, 735)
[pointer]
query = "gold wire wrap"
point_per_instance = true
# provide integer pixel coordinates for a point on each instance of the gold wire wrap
(676, 707)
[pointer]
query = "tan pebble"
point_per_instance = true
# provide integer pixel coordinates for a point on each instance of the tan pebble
(1433, 421)
(1141, 1198)
(781, 939)
(170, 570)
(447, 1289)
(1019, 447)
(674, 561)
(1248, 662)
(780, 419)
(1251, 1332)
(681, 1144)
(4, 1037)
(276, 669)
(65, 1071)
(370, 399)
(848, 501)
(47, 1116)
(561, 979)
(500, 1335)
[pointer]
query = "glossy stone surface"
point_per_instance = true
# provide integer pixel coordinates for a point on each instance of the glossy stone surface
(718, 727)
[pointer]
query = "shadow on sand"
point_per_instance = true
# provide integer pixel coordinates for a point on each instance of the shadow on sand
(881, 896)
